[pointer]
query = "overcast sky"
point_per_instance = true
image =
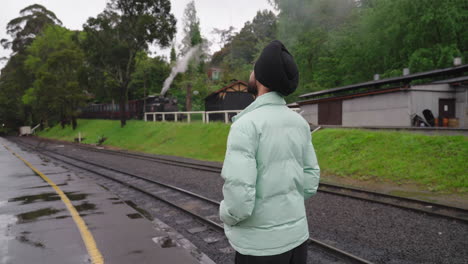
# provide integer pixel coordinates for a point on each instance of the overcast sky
(74, 13)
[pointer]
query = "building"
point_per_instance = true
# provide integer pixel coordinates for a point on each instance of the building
(214, 74)
(394, 102)
(232, 97)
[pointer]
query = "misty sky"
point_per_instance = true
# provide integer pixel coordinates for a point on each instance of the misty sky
(74, 13)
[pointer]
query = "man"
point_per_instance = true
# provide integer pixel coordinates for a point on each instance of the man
(270, 168)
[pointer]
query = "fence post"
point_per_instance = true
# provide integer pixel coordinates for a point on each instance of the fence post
(188, 117)
(175, 117)
(164, 117)
(154, 117)
(145, 117)
(226, 117)
(207, 117)
(203, 117)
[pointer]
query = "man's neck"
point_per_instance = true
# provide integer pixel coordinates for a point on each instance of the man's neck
(262, 91)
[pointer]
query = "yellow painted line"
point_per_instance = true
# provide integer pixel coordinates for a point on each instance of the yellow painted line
(88, 239)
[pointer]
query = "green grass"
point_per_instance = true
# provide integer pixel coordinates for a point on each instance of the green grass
(195, 140)
(437, 162)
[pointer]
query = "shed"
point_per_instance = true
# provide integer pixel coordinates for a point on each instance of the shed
(231, 97)
(393, 102)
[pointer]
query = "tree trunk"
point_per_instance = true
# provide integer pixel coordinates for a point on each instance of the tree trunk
(74, 123)
(188, 98)
(122, 110)
(144, 97)
(62, 122)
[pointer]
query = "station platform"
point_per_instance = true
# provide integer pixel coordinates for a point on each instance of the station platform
(60, 217)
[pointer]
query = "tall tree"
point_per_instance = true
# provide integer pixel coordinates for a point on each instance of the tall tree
(225, 35)
(55, 59)
(191, 27)
(237, 56)
(23, 29)
(15, 78)
(192, 38)
(116, 36)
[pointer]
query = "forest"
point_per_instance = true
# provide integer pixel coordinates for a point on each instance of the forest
(53, 71)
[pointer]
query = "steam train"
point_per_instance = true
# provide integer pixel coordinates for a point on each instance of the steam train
(133, 110)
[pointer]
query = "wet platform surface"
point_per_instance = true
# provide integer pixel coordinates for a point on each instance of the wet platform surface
(36, 227)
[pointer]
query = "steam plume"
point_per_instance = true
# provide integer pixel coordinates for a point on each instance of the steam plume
(181, 66)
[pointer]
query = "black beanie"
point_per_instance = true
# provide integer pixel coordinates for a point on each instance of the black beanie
(276, 69)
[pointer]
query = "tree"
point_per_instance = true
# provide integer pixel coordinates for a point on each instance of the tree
(225, 35)
(250, 41)
(192, 39)
(192, 34)
(55, 59)
(15, 78)
(236, 57)
(148, 77)
(117, 35)
(340, 42)
(25, 28)
(173, 55)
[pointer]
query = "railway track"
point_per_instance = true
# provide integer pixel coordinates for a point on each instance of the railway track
(416, 205)
(195, 205)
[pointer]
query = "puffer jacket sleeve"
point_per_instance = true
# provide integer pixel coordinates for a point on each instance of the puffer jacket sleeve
(311, 168)
(240, 175)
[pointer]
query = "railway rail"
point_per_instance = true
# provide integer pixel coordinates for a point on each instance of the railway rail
(197, 206)
(412, 204)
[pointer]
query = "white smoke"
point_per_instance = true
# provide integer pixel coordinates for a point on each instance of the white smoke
(181, 66)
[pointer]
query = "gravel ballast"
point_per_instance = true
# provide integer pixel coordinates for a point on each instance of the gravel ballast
(376, 232)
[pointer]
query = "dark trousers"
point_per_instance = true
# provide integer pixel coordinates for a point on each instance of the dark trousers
(296, 255)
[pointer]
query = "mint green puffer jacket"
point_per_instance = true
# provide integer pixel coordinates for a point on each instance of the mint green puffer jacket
(269, 170)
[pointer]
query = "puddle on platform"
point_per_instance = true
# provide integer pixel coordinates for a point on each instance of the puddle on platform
(34, 215)
(47, 197)
(28, 199)
(45, 186)
(145, 213)
(134, 216)
(24, 239)
(44, 159)
(74, 196)
(104, 187)
(85, 207)
(62, 217)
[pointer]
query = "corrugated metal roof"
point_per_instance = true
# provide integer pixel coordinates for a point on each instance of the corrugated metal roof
(400, 79)
(453, 80)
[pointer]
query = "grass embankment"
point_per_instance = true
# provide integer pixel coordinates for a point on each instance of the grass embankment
(197, 140)
(438, 162)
